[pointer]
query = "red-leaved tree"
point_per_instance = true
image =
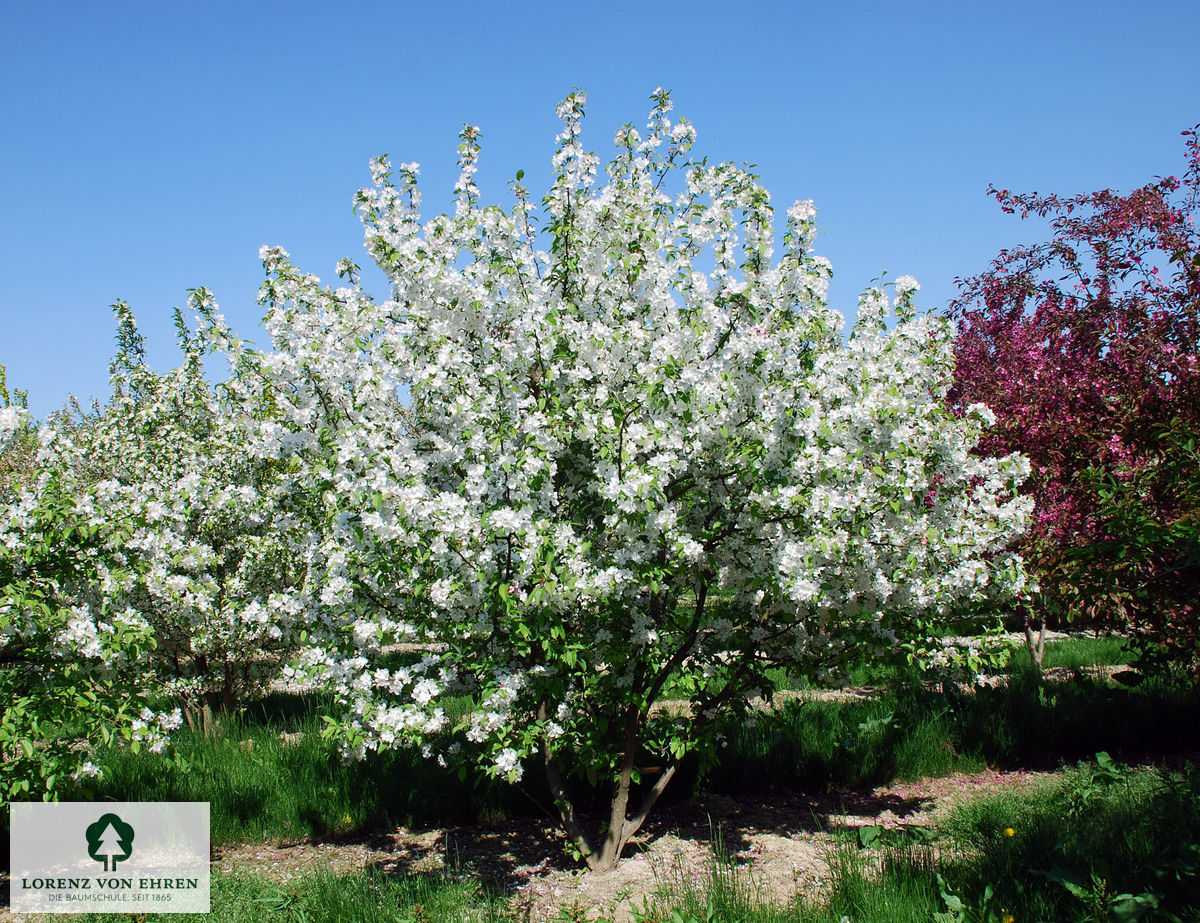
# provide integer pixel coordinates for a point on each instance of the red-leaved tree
(1087, 348)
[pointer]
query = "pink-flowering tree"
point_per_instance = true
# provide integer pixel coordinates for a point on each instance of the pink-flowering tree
(638, 464)
(1087, 349)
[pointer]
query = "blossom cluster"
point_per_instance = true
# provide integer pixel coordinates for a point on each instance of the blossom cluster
(11, 419)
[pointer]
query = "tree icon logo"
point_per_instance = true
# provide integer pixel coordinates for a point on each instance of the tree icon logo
(110, 840)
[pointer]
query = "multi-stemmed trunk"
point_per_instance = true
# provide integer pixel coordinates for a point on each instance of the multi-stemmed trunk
(604, 851)
(603, 854)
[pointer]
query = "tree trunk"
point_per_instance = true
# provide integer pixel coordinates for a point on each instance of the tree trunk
(1036, 645)
(620, 829)
(616, 836)
(191, 716)
(562, 800)
(227, 698)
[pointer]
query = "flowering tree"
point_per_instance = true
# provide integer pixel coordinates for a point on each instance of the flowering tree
(18, 441)
(70, 663)
(1087, 348)
(145, 553)
(639, 464)
(209, 564)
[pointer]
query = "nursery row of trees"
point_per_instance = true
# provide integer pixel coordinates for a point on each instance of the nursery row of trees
(597, 454)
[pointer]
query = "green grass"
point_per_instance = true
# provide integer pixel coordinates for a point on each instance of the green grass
(1109, 831)
(1078, 653)
(1097, 844)
(368, 897)
(1136, 832)
(910, 731)
(1097, 832)
(261, 785)
(824, 745)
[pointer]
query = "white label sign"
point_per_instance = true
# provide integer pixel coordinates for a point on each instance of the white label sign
(109, 857)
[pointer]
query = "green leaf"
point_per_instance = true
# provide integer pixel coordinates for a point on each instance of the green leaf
(1068, 880)
(1130, 908)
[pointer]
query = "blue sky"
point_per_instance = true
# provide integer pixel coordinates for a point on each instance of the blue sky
(153, 147)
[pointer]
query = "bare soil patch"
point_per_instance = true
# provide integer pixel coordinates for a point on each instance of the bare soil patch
(781, 841)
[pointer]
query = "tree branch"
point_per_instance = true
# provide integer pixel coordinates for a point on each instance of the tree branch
(562, 801)
(634, 824)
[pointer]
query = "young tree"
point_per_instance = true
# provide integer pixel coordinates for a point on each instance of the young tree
(1087, 348)
(211, 567)
(70, 662)
(640, 464)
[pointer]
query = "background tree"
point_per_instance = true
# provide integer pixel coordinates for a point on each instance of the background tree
(71, 664)
(1087, 348)
(145, 557)
(211, 567)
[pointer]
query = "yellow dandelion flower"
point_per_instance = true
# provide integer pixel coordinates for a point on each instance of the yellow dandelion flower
(1009, 831)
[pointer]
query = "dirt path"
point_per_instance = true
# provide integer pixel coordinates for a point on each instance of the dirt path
(781, 840)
